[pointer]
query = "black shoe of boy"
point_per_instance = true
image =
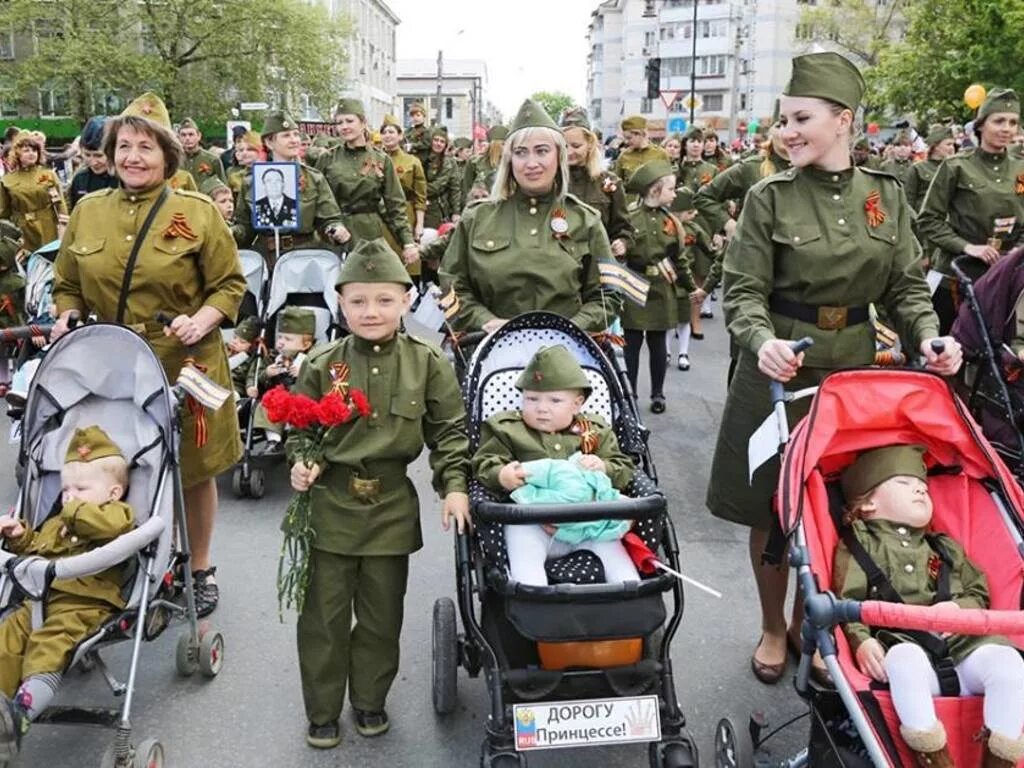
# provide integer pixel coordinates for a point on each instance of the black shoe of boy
(14, 723)
(371, 724)
(658, 404)
(324, 736)
(206, 591)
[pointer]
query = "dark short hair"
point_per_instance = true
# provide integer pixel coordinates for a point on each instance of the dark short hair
(169, 144)
(278, 171)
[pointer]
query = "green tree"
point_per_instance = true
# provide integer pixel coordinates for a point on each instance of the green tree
(864, 29)
(554, 102)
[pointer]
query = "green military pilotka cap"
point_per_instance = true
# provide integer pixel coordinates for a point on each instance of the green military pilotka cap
(277, 120)
(391, 120)
(576, 117)
(903, 137)
(874, 467)
(210, 186)
(462, 142)
(532, 115)
(937, 134)
(417, 106)
(694, 133)
(683, 201)
(634, 123)
(188, 122)
(862, 143)
(647, 174)
(151, 107)
(351, 107)
(826, 76)
(999, 100)
(297, 320)
(90, 444)
(373, 261)
(497, 133)
(248, 329)
(439, 130)
(553, 369)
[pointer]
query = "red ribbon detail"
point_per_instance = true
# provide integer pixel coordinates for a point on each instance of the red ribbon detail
(873, 209)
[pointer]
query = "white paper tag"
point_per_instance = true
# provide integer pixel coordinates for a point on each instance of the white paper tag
(763, 445)
(934, 279)
(552, 725)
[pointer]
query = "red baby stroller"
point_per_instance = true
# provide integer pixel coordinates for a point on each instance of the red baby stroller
(976, 502)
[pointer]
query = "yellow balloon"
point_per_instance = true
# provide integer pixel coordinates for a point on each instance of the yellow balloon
(974, 96)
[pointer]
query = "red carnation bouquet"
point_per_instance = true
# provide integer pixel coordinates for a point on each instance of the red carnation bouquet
(310, 422)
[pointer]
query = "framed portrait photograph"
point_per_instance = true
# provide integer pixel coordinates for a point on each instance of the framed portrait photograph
(275, 197)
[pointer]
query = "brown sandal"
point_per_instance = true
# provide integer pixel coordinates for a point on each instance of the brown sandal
(769, 674)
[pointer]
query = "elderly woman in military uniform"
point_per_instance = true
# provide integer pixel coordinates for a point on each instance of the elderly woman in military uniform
(814, 247)
(531, 245)
(319, 219)
(30, 192)
(365, 184)
(975, 204)
(133, 252)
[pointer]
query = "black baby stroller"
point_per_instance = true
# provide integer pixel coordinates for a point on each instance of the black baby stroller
(571, 664)
(106, 374)
(302, 278)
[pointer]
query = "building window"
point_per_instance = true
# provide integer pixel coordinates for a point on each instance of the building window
(714, 102)
(449, 107)
(743, 102)
(677, 67)
(8, 101)
(7, 44)
(710, 66)
(713, 28)
(649, 41)
(54, 102)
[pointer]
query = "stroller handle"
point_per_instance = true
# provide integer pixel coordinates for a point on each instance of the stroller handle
(519, 514)
(798, 346)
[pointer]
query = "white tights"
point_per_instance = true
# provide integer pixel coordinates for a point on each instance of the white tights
(529, 546)
(993, 671)
(683, 332)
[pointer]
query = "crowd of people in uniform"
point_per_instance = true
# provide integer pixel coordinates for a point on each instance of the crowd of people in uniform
(806, 233)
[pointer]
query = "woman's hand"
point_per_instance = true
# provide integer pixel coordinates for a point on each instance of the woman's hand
(986, 253)
(456, 505)
(775, 359)
(947, 363)
(63, 323)
(512, 476)
(618, 248)
(185, 329)
(493, 324)
(303, 476)
(411, 253)
(871, 660)
(340, 234)
(698, 296)
(729, 229)
(717, 241)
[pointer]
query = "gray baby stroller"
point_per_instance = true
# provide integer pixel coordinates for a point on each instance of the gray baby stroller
(105, 374)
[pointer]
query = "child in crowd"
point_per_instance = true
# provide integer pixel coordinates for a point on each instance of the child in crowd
(706, 264)
(242, 355)
(33, 655)
(550, 426)
(889, 512)
(296, 334)
(365, 512)
(222, 197)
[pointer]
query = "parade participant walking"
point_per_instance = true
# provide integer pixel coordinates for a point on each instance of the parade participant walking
(531, 246)
(417, 138)
(365, 511)
(814, 247)
(319, 217)
(365, 183)
(413, 180)
(181, 261)
(482, 169)
(30, 192)
(714, 153)
(902, 159)
(657, 252)
(96, 173)
(638, 148)
(863, 156)
(975, 204)
(919, 177)
(201, 163)
(694, 170)
(706, 265)
(443, 182)
(673, 146)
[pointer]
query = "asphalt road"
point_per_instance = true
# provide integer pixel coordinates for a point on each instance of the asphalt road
(252, 716)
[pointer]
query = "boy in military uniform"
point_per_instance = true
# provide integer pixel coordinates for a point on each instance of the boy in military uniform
(220, 193)
(296, 334)
(241, 358)
(33, 651)
(889, 512)
(417, 138)
(365, 511)
(550, 426)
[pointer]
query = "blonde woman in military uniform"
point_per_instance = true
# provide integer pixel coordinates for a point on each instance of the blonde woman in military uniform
(187, 266)
(482, 169)
(413, 180)
(814, 247)
(975, 204)
(30, 193)
(532, 245)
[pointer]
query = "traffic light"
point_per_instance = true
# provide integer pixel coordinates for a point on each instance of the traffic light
(653, 78)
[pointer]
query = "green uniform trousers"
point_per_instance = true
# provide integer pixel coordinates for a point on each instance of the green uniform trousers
(333, 652)
(24, 652)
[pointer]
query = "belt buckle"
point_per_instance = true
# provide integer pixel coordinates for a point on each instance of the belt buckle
(364, 488)
(831, 318)
(652, 271)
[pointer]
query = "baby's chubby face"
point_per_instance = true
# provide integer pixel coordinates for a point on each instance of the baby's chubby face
(900, 499)
(551, 411)
(89, 482)
(292, 343)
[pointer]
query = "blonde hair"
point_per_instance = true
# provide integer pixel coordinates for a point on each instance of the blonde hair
(767, 167)
(113, 469)
(592, 164)
(23, 138)
(494, 150)
(654, 192)
(505, 183)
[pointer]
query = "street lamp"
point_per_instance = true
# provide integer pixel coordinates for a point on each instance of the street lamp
(440, 76)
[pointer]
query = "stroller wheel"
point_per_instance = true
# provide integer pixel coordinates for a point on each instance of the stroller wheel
(444, 656)
(187, 656)
(211, 653)
(239, 483)
(734, 747)
(257, 483)
(149, 754)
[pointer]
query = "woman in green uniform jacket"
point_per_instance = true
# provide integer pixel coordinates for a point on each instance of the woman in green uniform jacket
(901, 159)
(659, 255)
(713, 152)
(30, 193)
(481, 170)
(365, 183)
(975, 204)
(188, 268)
(319, 217)
(814, 247)
(694, 170)
(601, 190)
(443, 193)
(413, 181)
(532, 245)
(919, 177)
(673, 146)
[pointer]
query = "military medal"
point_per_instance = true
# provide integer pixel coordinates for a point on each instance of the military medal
(690, 239)
(204, 168)
(933, 568)
(559, 224)
(873, 209)
(705, 178)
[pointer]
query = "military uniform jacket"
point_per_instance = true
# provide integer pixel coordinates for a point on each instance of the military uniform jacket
(504, 259)
(911, 565)
(368, 192)
(705, 261)
(444, 196)
(720, 160)
(897, 168)
(188, 260)
(413, 181)
(203, 165)
(505, 438)
(318, 210)
(733, 183)
(417, 142)
(183, 180)
(25, 199)
(481, 174)
(415, 401)
(631, 159)
(694, 173)
(917, 181)
(975, 195)
(79, 528)
(658, 237)
(244, 374)
(85, 181)
(605, 195)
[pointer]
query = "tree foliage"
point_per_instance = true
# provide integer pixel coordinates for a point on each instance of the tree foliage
(200, 55)
(554, 102)
(864, 29)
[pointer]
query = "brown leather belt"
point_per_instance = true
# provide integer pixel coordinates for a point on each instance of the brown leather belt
(824, 317)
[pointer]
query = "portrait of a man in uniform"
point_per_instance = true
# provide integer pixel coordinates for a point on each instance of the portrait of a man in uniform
(275, 196)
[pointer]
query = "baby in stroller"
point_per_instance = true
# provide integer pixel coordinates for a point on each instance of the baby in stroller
(296, 334)
(887, 553)
(242, 353)
(35, 640)
(550, 426)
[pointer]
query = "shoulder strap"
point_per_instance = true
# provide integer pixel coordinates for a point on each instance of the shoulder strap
(126, 280)
(879, 586)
